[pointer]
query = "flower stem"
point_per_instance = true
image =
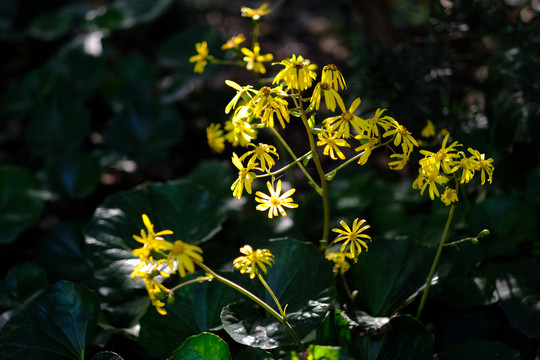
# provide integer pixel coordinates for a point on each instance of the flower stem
(272, 294)
(435, 261)
(257, 300)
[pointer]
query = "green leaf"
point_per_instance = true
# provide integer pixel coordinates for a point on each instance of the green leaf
(335, 330)
(106, 355)
(389, 274)
(145, 130)
(56, 323)
(205, 346)
(479, 350)
(196, 308)
(49, 26)
(20, 202)
(74, 174)
(315, 352)
(301, 279)
(215, 176)
(402, 338)
(25, 279)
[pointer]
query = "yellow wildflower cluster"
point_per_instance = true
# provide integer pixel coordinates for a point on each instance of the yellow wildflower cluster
(437, 168)
(253, 262)
(161, 258)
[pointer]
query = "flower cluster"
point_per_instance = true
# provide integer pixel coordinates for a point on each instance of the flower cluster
(161, 258)
(253, 262)
(437, 168)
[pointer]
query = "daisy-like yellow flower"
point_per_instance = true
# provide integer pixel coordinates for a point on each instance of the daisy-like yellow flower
(245, 177)
(254, 60)
(151, 241)
(239, 130)
(400, 162)
(255, 14)
(429, 175)
(263, 153)
(215, 138)
(201, 58)
(234, 42)
(242, 92)
(343, 122)
(446, 158)
(269, 102)
(403, 137)
(368, 144)
(331, 140)
(482, 164)
(332, 76)
(449, 196)
(376, 121)
(467, 166)
(331, 97)
(429, 130)
(253, 261)
(341, 265)
(297, 74)
(275, 202)
(156, 291)
(353, 237)
(185, 256)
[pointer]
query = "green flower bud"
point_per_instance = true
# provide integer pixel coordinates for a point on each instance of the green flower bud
(483, 233)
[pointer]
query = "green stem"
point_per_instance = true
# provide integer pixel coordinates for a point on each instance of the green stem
(260, 302)
(435, 261)
(285, 168)
(272, 294)
(292, 154)
(192, 281)
(332, 173)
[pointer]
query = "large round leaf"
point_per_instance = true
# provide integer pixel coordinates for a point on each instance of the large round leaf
(202, 347)
(389, 273)
(75, 174)
(196, 308)
(301, 279)
(56, 323)
(20, 202)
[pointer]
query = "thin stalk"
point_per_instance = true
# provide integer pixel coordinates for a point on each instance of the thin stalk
(435, 261)
(192, 281)
(260, 302)
(292, 154)
(332, 173)
(272, 294)
(285, 168)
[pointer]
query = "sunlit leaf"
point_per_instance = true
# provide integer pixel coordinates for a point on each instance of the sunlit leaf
(202, 347)
(58, 322)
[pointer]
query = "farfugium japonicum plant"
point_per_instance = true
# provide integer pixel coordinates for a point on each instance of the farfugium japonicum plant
(298, 92)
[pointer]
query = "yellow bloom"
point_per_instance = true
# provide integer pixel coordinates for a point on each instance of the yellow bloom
(353, 237)
(184, 256)
(429, 130)
(467, 166)
(201, 58)
(255, 14)
(400, 162)
(245, 177)
(262, 152)
(331, 140)
(403, 137)
(367, 147)
(347, 119)
(215, 138)
(233, 42)
(449, 196)
(268, 102)
(242, 92)
(341, 265)
(483, 165)
(376, 121)
(151, 241)
(254, 60)
(253, 261)
(332, 76)
(298, 73)
(429, 175)
(445, 158)
(275, 202)
(331, 97)
(239, 130)
(156, 292)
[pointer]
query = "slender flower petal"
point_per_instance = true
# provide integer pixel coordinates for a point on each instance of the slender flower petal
(253, 262)
(275, 202)
(353, 237)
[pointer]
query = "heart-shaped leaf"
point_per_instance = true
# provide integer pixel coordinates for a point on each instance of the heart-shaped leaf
(56, 323)
(20, 202)
(388, 274)
(196, 308)
(302, 279)
(202, 347)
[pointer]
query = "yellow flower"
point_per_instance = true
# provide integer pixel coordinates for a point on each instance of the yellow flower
(373, 123)
(429, 175)
(445, 158)
(253, 261)
(245, 177)
(368, 144)
(262, 152)
(331, 97)
(184, 256)
(233, 42)
(467, 166)
(298, 73)
(255, 14)
(403, 137)
(400, 162)
(331, 140)
(347, 119)
(215, 138)
(275, 202)
(449, 196)
(483, 165)
(429, 130)
(151, 241)
(239, 130)
(353, 237)
(341, 265)
(242, 92)
(268, 102)
(254, 60)
(200, 59)
(332, 76)
(156, 292)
